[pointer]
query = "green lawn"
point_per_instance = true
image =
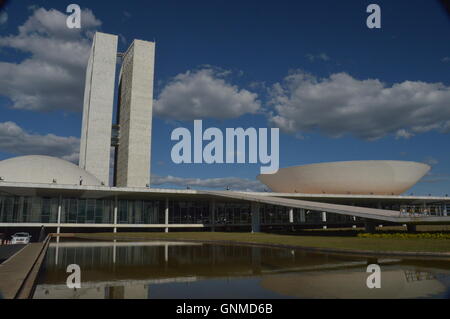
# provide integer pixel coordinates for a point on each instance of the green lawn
(335, 242)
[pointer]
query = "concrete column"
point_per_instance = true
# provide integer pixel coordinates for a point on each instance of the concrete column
(212, 214)
(115, 214)
(256, 218)
(369, 226)
(58, 229)
(21, 210)
(166, 253)
(57, 250)
(411, 228)
(166, 215)
(302, 215)
(114, 251)
(291, 215)
(324, 219)
(444, 209)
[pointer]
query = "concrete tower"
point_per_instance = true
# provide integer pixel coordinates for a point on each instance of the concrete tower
(135, 104)
(95, 145)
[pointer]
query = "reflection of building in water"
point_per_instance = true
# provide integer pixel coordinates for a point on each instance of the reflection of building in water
(412, 275)
(345, 283)
(131, 289)
(165, 259)
(131, 270)
(352, 284)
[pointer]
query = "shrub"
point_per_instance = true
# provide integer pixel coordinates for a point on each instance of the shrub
(405, 235)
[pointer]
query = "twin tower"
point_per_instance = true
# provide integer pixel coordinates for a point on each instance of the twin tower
(130, 135)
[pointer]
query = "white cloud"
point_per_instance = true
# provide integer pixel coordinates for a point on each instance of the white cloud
(431, 161)
(3, 17)
(402, 133)
(320, 56)
(203, 94)
(234, 183)
(435, 178)
(368, 109)
(53, 76)
(446, 59)
(122, 39)
(15, 140)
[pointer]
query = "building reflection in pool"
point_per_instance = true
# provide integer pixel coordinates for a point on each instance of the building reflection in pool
(153, 269)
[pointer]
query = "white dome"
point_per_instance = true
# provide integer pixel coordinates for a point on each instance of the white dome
(44, 169)
(351, 177)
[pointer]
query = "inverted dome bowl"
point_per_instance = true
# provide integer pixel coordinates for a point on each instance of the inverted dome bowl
(351, 177)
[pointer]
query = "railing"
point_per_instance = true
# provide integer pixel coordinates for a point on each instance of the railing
(422, 211)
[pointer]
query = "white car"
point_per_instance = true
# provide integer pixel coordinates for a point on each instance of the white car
(20, 238)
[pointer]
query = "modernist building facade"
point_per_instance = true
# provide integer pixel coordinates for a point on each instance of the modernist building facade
(132, 162)
(98, 107)
(71, 208)
(132, 130)
(42, 190)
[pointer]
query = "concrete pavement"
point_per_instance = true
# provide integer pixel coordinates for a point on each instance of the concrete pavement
(15, 272)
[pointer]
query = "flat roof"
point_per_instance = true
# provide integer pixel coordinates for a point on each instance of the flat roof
(280, 199)
(86, 191)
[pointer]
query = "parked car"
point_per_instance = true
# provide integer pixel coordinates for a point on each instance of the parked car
(20, 238)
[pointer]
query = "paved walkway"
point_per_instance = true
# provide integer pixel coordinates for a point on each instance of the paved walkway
(7, 251)
(14, 271)
(364, 212)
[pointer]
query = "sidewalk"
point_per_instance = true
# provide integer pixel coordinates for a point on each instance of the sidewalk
(14, 271)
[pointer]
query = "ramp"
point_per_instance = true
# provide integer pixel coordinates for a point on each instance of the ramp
(363, 212)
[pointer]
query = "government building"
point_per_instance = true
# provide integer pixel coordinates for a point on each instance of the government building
(46, 191)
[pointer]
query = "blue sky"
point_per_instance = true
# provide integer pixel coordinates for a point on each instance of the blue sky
(337, 90)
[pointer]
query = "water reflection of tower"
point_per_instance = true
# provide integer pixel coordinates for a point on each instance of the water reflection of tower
(115, 292)
(256, 260)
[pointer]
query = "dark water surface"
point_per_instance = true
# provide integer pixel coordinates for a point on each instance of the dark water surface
(156, 269)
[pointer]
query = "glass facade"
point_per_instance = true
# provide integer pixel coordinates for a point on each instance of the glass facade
(140, 212)
(189, 212)
(233, 213)
(35, 209)
(271, 214)
(83, 211)
(20, 209)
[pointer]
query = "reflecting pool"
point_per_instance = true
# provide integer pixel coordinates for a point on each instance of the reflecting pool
(164, 269)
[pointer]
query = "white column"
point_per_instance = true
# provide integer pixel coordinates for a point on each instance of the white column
(291, 215)
(57, 250)
(58, 229)
(212, 214)
(114, 251)
(302, 215)
(256, 218)
(324, 219)
(115, 214)
(166, 215)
